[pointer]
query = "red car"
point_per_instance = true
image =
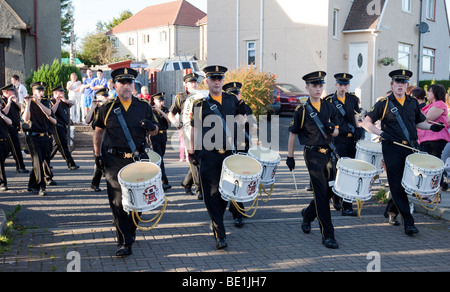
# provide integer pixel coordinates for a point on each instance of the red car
(289, 97)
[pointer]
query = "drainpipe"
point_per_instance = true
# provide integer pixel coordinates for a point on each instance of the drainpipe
(419, 55)
(35, 35)
(261, 37)
(237, 33)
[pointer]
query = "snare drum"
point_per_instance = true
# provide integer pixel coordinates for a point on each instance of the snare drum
(354, 180)
(422, 174)
(153, 156)
(240, 178)
(141, 186)
(370, 152)
(269, 161)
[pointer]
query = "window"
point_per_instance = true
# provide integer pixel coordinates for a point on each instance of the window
(406, 5)
(131, 41)
(404, 56)
(428, 60)
(251, 53)
(163, 36)
(146, 38)
(335, 23)
(186, 65)
(430, 9)
(115, 42)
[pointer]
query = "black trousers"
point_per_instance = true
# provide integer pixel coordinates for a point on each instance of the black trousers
(192, 177)
(3, 153)
(395, 158)
(321, 171)
(14, 147)
(159, 146)
(39, 147)
(210, 171)
(60, 144)
(125, 227)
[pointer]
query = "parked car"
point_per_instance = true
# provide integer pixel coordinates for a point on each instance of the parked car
(176, 65)
(289, 97)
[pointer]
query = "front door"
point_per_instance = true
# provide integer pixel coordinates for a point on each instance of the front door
(358, 64)
(2, 65)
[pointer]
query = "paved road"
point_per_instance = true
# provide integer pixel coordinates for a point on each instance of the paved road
(73, 223)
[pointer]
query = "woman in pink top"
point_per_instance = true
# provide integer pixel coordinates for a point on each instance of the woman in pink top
(436, 111)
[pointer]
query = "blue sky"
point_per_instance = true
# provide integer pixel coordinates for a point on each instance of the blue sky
(89, 12)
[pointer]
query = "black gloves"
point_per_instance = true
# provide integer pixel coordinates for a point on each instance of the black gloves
(180, 125)
(193, 159)
(240, 108)
(99, 162)
(329, 128)
(387, 138)
(437, 127)
(147, 125)
(290, 162)
(359, 134)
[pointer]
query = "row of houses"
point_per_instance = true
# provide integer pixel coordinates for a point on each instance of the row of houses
(284, 37)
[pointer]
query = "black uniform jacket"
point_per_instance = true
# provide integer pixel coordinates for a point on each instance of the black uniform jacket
(304, 126)
(350, 107)
(139, 110)
(410, 113)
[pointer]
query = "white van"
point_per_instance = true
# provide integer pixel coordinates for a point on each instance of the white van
(176, 65)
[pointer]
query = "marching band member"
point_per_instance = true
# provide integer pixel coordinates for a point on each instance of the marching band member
(401, 128)
(5, 122)
(137, 114)
(213, 153)
(318, 153)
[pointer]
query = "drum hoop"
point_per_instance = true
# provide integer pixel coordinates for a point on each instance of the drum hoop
(119, 178)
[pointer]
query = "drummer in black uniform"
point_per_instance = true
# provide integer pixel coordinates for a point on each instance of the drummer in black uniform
(350, 132)
(213, 152)
(403, 130)
(318, 153)
(61, 108)
(192, 178)
(12, 109)
(159, 141)
(137, 114)
(38, 120)
(5, 122)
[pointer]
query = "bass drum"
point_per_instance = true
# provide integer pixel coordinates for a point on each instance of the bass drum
(187, 113)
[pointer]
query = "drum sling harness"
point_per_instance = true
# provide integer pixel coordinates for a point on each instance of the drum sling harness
(126, 131)
(394, 111)
(216, 111)
(342, 112)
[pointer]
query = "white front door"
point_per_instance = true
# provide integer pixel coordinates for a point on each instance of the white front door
(358, 63)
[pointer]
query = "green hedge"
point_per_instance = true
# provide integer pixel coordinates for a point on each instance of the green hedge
(54, 75)
(425, 83)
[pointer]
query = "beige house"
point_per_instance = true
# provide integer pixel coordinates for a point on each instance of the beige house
(26, 41)
(159, 31)
(293, 38)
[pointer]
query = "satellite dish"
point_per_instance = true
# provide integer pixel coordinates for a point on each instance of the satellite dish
(423, 27)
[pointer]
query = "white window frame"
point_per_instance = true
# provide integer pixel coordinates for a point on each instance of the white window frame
(407, 6)
(404, 50)
(428, 57)
(335, 23)
(131, 41)
(430, 10)
(163, 36)
(249, 51)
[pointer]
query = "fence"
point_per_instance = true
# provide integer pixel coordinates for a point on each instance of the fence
(171, 83)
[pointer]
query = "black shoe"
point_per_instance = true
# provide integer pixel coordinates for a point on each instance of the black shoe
(42, 193)
(306, 226)
(391, 219)
(33, 190)
(221, 243)
(199, 196)
(330, 243)
(124, 251)
(51, 182)
(166, 187)
(75, 167)
(3, 188)
(349, 212)
(23, 170)
(337, 203)
(309, 189)
(410, 230)
(96, 188)
(239, 222)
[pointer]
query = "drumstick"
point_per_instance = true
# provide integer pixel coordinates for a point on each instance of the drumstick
(431, 122)
(295, 181)
(410, 148)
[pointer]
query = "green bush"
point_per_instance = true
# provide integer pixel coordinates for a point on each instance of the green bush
(55, 75)
(425, 83)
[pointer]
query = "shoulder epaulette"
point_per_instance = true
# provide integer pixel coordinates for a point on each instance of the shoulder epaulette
(199, 101)
(143, 100)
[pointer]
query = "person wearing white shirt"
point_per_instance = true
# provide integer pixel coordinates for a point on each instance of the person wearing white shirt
(20, 89)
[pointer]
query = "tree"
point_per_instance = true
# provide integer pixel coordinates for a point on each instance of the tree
(97, 49)
(66, 17)
(107, 26)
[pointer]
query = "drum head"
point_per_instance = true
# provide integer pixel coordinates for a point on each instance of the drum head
(139, 172)
(376, 147)
(425, 161)
(358, 165)
(243, 165)
(264, 154)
